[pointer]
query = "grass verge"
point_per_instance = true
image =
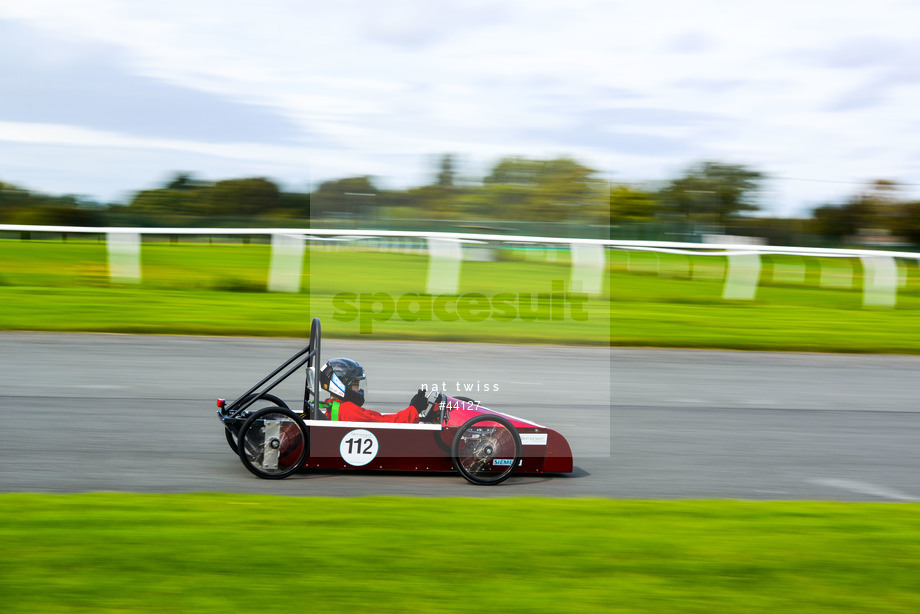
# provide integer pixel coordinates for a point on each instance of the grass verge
(648, 299)
(226, 553)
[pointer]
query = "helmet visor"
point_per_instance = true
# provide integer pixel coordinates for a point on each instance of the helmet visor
(359, 386)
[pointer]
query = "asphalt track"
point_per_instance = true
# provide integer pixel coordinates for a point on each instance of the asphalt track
(91, 412)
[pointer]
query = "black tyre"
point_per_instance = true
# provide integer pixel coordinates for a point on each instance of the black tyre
(273, 443)
(486, 449)
(271, 399)
(439, 438)
(231, 438)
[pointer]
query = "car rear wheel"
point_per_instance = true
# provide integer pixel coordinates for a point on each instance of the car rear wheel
(486, 449)
(273, 443)
(271, 399)
(231, 440)
(231, 436)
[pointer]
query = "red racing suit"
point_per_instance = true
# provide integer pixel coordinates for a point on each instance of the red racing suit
(349, 412)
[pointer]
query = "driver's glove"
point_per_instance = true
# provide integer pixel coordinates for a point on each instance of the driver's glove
(419, 401)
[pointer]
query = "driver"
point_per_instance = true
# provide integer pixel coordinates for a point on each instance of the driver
(342, 377)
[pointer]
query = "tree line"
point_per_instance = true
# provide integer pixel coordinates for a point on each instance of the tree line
(709, 194)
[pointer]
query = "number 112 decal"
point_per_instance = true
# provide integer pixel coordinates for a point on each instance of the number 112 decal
(359, 447)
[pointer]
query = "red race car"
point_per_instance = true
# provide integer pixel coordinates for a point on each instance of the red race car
(484, 446)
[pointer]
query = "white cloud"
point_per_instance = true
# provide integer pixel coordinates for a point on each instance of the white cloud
(818, 90)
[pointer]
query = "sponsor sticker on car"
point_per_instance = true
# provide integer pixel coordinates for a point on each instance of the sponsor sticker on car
(533, 439)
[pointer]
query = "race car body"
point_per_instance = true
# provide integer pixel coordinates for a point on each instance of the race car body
(426, 447)
(483, 445)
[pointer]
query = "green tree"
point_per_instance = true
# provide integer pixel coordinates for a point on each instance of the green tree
(839, 221)
(629, 204)
(881, 198)
(714, 192)
(19, 206)
(243, 197)
(183, 182)
(49, 214)
(546, 190)
(876, 208)
(909, 226)
(162, 202)
(447, 174)
(179, 201)
(442, 199)
(295, 204)
(12, 200)
(354, 197)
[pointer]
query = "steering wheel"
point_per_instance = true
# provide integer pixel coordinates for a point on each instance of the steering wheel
(432, 405)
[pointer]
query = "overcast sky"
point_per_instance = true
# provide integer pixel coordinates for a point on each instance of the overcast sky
(104, 97)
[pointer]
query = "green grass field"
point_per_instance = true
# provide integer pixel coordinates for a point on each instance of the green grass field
(246, 553)
(648, 299)
(232, 553)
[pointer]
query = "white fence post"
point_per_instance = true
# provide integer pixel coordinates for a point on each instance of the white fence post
(742, 277)
(588, 267)
(444, 257)
(882, 276)
(880, 281)
(124, 253)
(287, 263)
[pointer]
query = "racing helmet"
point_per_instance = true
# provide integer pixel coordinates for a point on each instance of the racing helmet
(343, 378)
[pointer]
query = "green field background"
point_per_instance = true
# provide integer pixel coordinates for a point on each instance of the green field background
(648, 299)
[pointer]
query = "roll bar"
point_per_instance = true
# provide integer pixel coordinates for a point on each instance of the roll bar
(309, 357)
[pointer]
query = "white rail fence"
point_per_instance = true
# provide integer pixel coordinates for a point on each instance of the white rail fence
(447, 250)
